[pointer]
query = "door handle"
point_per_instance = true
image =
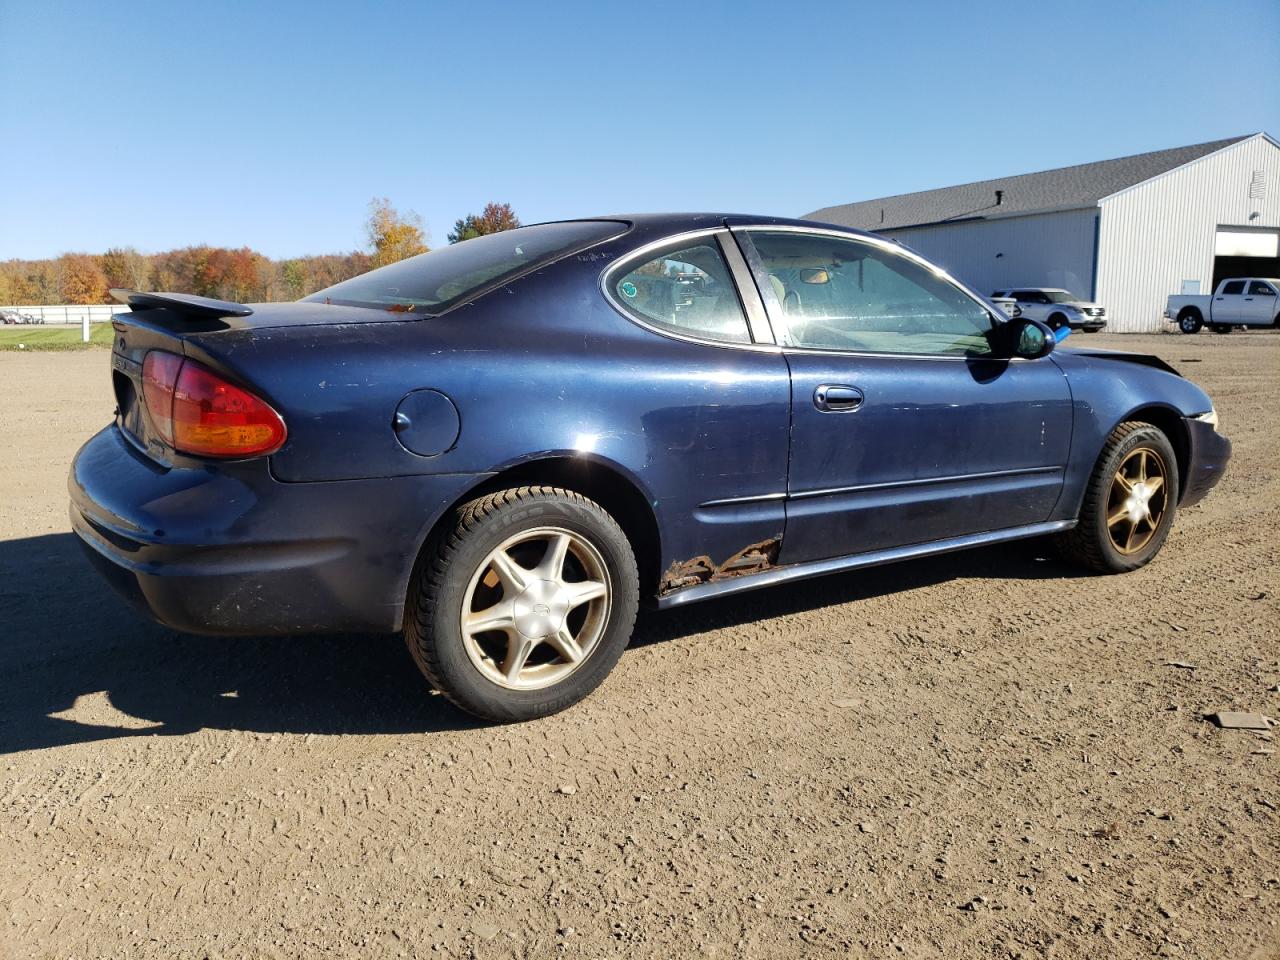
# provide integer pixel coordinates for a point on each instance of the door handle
(837, 398)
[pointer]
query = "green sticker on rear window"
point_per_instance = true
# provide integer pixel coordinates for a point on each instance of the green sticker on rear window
(628, 288)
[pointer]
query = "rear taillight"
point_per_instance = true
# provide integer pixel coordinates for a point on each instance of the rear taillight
(198, 412)
(159, 376)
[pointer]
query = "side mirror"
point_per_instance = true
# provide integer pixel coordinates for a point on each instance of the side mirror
(1025, 338)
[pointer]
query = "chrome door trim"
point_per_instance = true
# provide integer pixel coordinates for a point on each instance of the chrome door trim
(738, 501)
(923, 482)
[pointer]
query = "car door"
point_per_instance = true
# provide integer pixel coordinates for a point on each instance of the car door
(1259, 303)
(1228, 303)
(904, 428)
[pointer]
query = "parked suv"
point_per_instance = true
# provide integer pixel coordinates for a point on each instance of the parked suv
(1057, 308)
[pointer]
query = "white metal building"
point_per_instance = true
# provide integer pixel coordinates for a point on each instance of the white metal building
(1125, 232)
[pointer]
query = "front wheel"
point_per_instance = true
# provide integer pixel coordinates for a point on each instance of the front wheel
(1189, 321)
(1129, 504)
(523, 607)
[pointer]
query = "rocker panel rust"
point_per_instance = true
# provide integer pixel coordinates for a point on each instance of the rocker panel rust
(753, 558)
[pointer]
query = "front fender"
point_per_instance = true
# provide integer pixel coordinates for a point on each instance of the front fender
(1107, 391)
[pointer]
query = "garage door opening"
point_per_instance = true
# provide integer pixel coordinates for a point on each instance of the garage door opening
(1242, 252)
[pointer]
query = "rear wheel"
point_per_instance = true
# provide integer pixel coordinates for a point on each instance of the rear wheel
(1189, 321)
(1129, 504)
(524, 605)
(1057, 321)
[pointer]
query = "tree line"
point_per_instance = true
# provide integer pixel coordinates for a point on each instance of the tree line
(242, 275)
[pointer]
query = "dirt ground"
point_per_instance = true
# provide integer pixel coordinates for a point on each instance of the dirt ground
(982, 755)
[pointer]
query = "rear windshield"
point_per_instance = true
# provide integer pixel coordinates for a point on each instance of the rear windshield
(435, 281)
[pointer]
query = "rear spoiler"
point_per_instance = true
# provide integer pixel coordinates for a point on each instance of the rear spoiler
(204, 308)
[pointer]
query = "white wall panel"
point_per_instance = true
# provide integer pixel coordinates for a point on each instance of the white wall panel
(1041, 250)
(1159, 233)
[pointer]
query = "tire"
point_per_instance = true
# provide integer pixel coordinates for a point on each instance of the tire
(1103, 544)
(1190, 321)
(526, 668)
(1090, 329)
(1057, 321)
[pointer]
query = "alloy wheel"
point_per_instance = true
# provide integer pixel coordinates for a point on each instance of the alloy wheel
(536, 608)
(1137, 500)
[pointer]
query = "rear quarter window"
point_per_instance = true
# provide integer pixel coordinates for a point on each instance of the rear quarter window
(686, 289)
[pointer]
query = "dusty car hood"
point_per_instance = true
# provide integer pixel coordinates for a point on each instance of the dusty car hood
(1144, 359)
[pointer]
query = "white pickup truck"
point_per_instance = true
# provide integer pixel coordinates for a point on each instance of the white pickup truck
(1240, 302)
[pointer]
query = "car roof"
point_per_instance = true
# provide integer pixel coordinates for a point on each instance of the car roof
(684, 222)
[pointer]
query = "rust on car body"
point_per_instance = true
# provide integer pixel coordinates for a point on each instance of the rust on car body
(754, 558)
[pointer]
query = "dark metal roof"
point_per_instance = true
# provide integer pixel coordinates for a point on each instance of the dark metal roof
(1067, 188)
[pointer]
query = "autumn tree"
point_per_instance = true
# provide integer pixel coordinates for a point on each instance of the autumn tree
(80, 279)
(230, 275)
(392, 235)
(18, 283)
(494, 218)
(243, 275)
(126, 267)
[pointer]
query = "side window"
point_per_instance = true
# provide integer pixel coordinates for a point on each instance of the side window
(1260, 289)
(1027, 296)
(1234, 288)
(839, 294)
(686, 290)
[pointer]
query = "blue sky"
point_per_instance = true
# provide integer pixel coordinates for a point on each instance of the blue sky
(272, 124)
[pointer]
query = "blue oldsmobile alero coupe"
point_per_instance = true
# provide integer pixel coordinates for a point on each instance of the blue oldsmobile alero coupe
(502, 446)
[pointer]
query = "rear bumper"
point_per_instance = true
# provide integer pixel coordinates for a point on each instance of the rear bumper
(227, 549)
(1209, 453)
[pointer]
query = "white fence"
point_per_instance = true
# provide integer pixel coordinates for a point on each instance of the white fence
(72, 313)
(66, 314)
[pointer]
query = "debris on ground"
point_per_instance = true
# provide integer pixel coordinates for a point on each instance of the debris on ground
(1236, 720)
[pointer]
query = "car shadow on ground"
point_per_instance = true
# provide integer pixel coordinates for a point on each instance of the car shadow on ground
(78, 665)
